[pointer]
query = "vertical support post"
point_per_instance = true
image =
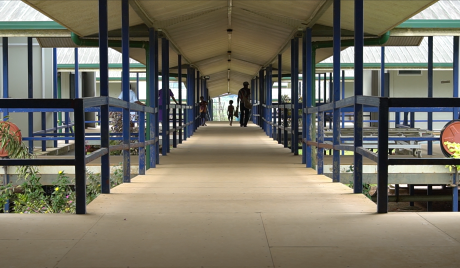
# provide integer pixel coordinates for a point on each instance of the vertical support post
(55, 92)
(430, 90)
(358, 108)
(80, 161)
(153, 37)
(104, 92)
(189, 111)
(429, 191)
(197, 99)
(261, 98)
(320, 139)
(336, 92)
(269, 101)
(165, 97)
(382, 72)
(280, 77)
(6, 80)
(77, 71)
(125, 88)
(30, 90)
(309, 97)
(152, 99)
(455, 189)
(253, 98)
(343, 96)
(293, 85)
(295, 100)
(382, 164)
(455, 74)
(179, 86)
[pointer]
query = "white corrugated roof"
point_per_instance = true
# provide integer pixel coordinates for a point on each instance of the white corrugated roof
(442, 53)
(442, 10)
(14, 10)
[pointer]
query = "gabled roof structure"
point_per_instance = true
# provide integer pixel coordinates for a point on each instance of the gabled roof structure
(198, 30)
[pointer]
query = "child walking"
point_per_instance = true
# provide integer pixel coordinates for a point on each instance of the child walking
(203, 110)
(230, 111)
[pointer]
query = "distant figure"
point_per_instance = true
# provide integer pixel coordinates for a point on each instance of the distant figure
(132, 99)
(244, 94)
(230, 111)
(160, 102)
(203, 110)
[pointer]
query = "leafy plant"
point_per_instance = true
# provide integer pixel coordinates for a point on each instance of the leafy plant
(454, 148)
(62, 200)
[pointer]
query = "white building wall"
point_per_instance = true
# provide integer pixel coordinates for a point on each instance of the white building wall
(18, 79)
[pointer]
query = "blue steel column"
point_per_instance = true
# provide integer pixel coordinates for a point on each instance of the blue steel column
(256, 99)
(382, 72)
(5, 73)
(291, 135)
(165, 97)
(343, 97)
(382, 162)
(455, 189)
(30, 90)
(77, 71)
(80, 163)
(295, 100)
(261, 98)
(154, 39)
(104, 92)
(152, 99)
(125, 88)
(430, 89)
(253, 92)
(179, 78)
(309, 82)
(280, 77)
(55, 92)
(197, 99)
(189, 112)
(304, 97)
(269, 100)
(358, 108)
(336, 93)
(456, 70)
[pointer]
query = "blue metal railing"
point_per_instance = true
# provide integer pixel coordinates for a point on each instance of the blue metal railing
(79, 107)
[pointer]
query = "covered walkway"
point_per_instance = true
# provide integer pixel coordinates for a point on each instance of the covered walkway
(231, 197)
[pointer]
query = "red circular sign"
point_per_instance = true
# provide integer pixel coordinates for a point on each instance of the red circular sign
(450, 133)
(12, 129)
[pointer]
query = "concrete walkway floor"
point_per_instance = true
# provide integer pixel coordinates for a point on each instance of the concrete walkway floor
(231, 197)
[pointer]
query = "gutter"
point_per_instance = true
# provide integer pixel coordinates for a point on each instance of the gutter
(348, 43)
(112, 43)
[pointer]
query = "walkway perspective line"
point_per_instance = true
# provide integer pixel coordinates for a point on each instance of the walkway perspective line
(231, 197)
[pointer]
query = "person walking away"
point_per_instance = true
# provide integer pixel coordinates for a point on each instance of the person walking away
(230, 111)
(203, 110)
(244, 94)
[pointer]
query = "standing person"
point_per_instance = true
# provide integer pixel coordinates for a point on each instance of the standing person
(244, 94)
(203, 110)
(132, 99)
(160, 102)
(230, 111)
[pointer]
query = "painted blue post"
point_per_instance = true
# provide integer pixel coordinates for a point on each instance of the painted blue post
(358, 108)
(455, 189)
(430, 89)
(295, 100)
(80, 163)
(5, 74)
(189, 112)
(382, 160)
(77, 71)
(343, 97)
(320, 155)
(382, 72)
(261, 98)
(197, 99)
(336, 92)
(256, 99)
(179, 80)
(309, 98)
(6, 207)
(104, 92)
(253, 92)
(456, 70)
(55, 92)
(165, 97)
(280, 77)
(125, 88)
(269, 100)
(30, 90)
(154, 39)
